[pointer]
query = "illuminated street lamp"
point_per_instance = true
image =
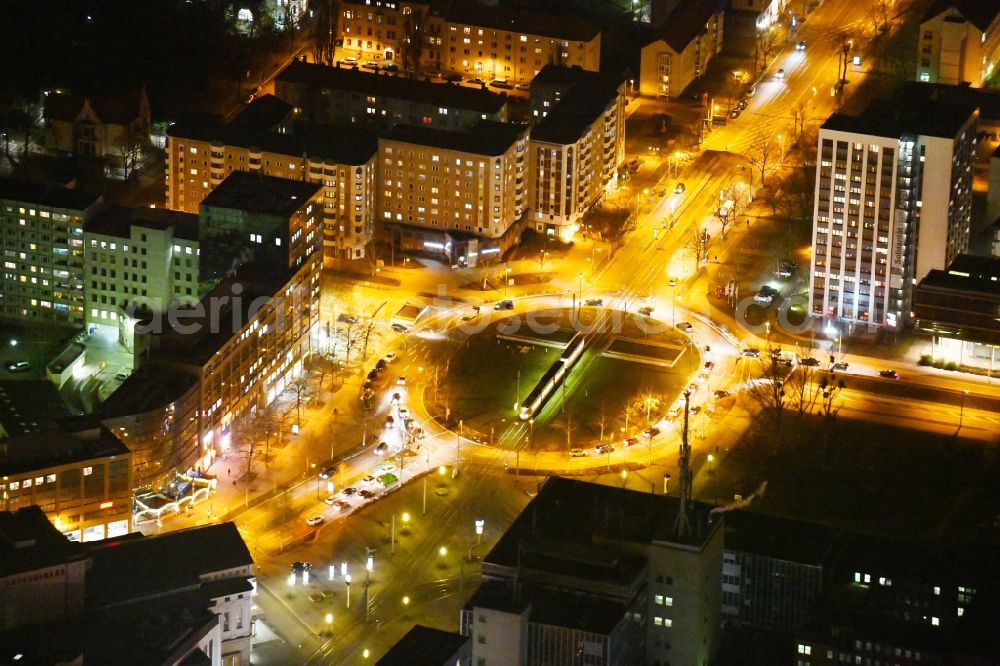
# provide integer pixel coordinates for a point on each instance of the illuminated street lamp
(329, 622)
(347, 582)
(480, 523)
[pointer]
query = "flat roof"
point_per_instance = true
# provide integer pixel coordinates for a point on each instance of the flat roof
(29, 406)
(573, 114)
(484, 138)
(916, 93)
(550, 606)
(424, 646)
(367, 83)
(522, 19)
(968, 273)
(29, 541)
(255, 192)
(687, 21)
(57, 446)
(780, 538)
(42, 194)
(896, 118)
(137, 567)
(119, 220)
(146, 389)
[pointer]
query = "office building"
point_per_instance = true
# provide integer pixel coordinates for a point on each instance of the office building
(893, 201)
(681, 49)
(425, 646)
(354, 96)
(575, 146)
(624, 576)
(262, 139)
(458, 194)
(489, 42)
(43, 276)
(82, 480)
(959, 42)
(137, 260)
(958, 307)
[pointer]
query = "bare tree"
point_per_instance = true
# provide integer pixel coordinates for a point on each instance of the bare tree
(300, 387)
(764, 47)
(878, 15)
(411, 46)
(132, 144)
(759, 156)
(696, 240)
(323, 365)
(768, 391)
(324, 29)
(253, 433)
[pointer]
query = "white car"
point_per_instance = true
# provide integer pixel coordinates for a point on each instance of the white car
(702, 378)
(350, 60)
(390, 357)
(686, 327)
(404, 412)
(401, 381)
(314, 520)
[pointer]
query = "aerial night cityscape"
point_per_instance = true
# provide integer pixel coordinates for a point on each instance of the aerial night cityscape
(500, 332)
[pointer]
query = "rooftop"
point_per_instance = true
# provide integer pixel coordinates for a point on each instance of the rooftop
(424, 646)
(916, 93)
(29, 541)
(118, 221)
(51, 196)
(368, 83)
(56, 446)
(521, 19)
(573, 114)
(572, 76)
(257, 193)
(979, 13)
(117, 110)
(146, 389)
(895, 119)
(29, 406)
(687, 21)
(134, 567)
(780, 538)
(484, 138)
(967, 273)
(550, 606)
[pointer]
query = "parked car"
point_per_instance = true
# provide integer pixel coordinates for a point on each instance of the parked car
(523, 86)
(328, 472)
(840, 366)
(121, 376)
(750, 352)
(314, 520)
(680, 188)
(577, 453)
(686, 327)
(695, 409)
(709, 366)
(780, 74)
(646, 310)
(391, 357)
(702, 378)
(381, 365)
(367, 494)
(630, 441)
(676, 410)
(331, 500)
(370, 65)
(504, 305)
(299, 567)
(18, 366)
(398, 328)
(348, 491)
(734, 113)
(501, 83)
(381, 449)
(889, 374)
(809, 362)
(453, 78)
(401, 380)
(650, 433)
(721, 393)
(594, 302)
(477, 81)
(350, 60)
(390, 67)
(605, 448)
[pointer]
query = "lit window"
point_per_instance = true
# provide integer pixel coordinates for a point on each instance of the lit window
(935, 621)
(668, 601)
(87, 471)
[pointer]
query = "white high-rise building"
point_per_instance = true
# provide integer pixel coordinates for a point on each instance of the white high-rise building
(893, 201)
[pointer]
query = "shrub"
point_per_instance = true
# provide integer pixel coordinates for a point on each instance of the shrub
(951, 365)
(925, 359)
(938, 363)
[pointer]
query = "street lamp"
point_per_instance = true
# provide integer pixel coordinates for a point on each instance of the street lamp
(347, 582)
(961, 410)
(480, 523)
(329, 621)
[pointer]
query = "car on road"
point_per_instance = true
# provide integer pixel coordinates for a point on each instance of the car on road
(18, 366)
(348, 491)
(646, 310)
(401, 380)
(389, 421)
(369, 479)
(390, 67)
(381, 449)
(327, 472)
(889, 374)
(766, 295)
(672, 282)
(314, 520)
(381, 365)
(395, 398)
(385, 468)
(786, 268)
(367, 494)
(604, 448)
(630, 441)
(577, 453)
(750, 352)
(801, 46)
(695, 409)
(780, 74)
(594, 302)
(721, 393)
(709, 366)
(686, 327)
(331, 500)
(692, 388)
(398, 328)
(504, 305)
(809, 362)
(121, 376)
(301, 567)
(702, 378)
(735, 113)
(404, 412)
(840, 366)
(391, 357)
(650, 433)
(680, 188)
(350, 60)
(676, 410)
(340, 505)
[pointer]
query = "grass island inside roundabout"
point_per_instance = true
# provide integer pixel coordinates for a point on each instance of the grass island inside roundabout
(631, 370)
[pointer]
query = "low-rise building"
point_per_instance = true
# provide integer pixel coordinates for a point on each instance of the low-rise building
(81, 480)
(575, 146)
(43, 253)
(425, 646)
(959, 42)
(458, 194)
(346, 96)
(138, 259)
(262, 139)
(96, 126)
(682, 48)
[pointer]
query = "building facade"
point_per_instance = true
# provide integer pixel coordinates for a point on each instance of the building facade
(138, 260)
(893, 201)
(689, 39)
(81, 480)
(575, 147)
(343, 96)
(96, 126)
(458, 194)
(959, 42)
(200, 156)
(43, 247)
(490, 42)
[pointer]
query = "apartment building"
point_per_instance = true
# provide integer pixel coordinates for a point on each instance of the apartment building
(262, 139)
(575, 146)
(681, 49)
(893, 201)
(137, 260)
(627, 577)
(346, 96)
(510, 43)
(458, 194)
(959, 42)
(82, 481)
(43, 276)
